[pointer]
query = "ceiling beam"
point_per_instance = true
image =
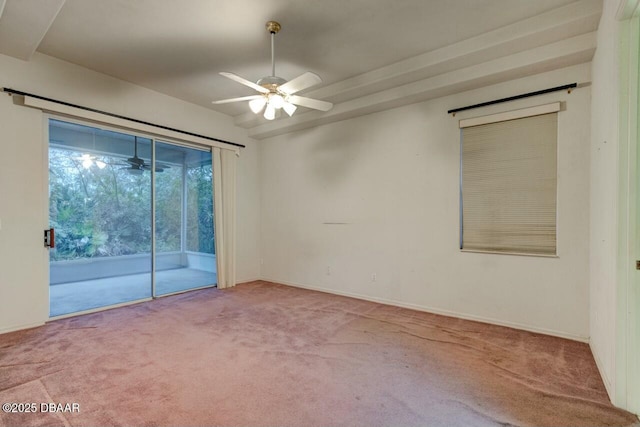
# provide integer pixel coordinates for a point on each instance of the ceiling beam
(573, 51)
(23, 25)
(571, 20)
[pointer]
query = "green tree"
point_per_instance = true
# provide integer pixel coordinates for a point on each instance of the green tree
(200, 231)
(107, 212)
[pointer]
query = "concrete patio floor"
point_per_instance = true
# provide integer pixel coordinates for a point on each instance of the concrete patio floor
(73, 297)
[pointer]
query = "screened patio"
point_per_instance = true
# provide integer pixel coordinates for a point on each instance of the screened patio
(133, 218)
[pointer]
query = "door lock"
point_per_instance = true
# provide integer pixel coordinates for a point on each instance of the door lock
(49, 238)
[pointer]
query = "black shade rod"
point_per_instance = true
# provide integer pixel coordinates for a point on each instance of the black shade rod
(513, 98)
(93, 110)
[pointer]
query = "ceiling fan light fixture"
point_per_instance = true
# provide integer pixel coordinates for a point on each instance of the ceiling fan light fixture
(276, 100)
(270, 112)
(275, 92)
(257, 104)
(289, 108)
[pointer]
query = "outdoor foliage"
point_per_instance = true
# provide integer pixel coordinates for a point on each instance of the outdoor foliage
(107, 212)
(200, 210)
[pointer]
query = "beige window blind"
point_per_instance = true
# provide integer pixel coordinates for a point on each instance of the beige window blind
(508, 188)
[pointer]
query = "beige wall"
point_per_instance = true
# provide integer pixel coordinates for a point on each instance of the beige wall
(391, 180)
(391, 176)
(23, 193)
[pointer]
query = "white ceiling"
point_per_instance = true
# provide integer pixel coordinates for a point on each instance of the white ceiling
(368, 52)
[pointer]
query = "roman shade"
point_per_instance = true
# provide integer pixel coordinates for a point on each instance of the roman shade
(508, 185)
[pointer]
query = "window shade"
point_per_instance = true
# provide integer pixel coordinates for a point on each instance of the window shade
(509, 186)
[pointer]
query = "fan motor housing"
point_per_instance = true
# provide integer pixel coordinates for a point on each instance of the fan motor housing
(271, 82)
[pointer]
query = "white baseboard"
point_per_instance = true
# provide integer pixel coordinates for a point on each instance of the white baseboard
(240, 281)
(436, 310)
(20, 327)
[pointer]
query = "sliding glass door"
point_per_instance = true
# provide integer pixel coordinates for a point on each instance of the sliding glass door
(128, 226)
(184, 237)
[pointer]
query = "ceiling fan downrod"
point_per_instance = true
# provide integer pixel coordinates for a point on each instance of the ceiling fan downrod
(273, 27)
(272, 82)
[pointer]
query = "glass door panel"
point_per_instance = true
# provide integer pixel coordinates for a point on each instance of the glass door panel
(184, 235)
(100, 208)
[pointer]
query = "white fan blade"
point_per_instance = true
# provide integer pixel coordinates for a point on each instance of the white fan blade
(310, 103)
(242, 98)
(245, 82)
(301, 82)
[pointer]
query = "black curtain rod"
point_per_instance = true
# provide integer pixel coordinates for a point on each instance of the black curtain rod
(93, 110)
(513, 98)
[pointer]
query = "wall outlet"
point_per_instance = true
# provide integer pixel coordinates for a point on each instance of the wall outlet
(328, 271)
(374, 277)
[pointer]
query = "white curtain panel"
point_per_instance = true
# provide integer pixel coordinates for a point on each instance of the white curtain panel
(224, 198)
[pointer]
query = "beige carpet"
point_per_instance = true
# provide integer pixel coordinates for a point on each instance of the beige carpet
(263, 354)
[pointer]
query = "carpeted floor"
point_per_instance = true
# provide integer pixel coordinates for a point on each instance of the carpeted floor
(263, 354)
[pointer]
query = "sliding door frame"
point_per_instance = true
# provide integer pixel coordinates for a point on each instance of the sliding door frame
(183, 240)
(47, 117)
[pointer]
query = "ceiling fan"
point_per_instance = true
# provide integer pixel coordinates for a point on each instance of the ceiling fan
(89, 160)
(276, 93)
(136, 165)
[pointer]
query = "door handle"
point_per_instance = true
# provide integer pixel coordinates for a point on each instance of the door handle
(50, 238)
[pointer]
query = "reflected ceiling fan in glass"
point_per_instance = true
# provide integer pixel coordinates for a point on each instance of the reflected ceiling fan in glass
(136, 165)
(88, 160)
(276, 93)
